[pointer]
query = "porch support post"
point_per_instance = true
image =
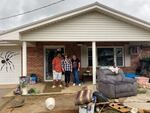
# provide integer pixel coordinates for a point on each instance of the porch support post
(94, 61)
(24, 58)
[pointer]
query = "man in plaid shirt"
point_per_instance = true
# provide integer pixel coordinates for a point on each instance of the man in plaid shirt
(67, 69)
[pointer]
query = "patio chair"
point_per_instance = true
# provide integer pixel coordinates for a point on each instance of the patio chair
(115, 85)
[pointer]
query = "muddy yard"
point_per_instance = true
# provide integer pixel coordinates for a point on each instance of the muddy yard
(36, 104)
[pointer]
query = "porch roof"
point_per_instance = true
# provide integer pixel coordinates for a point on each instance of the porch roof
(14, 34)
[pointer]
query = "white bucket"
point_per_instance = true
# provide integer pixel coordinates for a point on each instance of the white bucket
(50, 103)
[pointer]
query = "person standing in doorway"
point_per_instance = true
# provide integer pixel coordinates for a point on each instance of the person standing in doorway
(75, 70)
(67, 69)
(57, 70)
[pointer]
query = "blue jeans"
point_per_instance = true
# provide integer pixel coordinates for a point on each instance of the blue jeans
(76, 76)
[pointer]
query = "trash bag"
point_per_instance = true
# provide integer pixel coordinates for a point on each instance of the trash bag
(100, 97)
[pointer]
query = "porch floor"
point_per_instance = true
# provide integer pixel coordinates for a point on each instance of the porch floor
(67, 90)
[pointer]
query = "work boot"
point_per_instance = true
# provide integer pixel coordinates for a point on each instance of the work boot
(60, 83)
(60, 86)
(67, 85)
(54, 84)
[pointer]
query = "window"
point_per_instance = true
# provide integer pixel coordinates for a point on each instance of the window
(107, 56)
(119, 56)
(89, 56)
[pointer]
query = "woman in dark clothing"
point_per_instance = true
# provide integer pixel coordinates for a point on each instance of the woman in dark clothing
(67, 69)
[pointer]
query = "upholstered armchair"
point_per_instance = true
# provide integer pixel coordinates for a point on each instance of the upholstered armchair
(115, 85)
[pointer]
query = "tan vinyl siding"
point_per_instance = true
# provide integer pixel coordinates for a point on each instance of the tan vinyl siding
(10, 36)
(93, 26)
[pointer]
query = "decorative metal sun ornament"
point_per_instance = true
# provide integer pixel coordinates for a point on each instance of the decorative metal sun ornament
(6, 60)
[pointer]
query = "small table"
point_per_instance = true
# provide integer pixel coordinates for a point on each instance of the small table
(86, 75)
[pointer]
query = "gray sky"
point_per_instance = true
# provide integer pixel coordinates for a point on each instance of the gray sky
(137, 8)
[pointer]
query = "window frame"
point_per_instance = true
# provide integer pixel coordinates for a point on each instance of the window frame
(114, 47)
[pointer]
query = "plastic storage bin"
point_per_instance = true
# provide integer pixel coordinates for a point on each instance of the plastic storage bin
(87, 108)
(33, 79)
(130, 75)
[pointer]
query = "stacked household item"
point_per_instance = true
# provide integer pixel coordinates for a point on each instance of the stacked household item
(33, 78)
(85, 100)
(143, 82)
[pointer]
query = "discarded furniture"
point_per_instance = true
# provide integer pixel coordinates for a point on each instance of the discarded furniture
(120, 107)
(84, 96)
(115, 85)
(84, 99)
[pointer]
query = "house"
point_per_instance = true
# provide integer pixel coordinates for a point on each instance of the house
(97, 34)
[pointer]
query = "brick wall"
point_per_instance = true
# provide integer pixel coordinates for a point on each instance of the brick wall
(136, 57)
(35, 56)
(35, 60)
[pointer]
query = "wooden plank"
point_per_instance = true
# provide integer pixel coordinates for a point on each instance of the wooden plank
(119, 107)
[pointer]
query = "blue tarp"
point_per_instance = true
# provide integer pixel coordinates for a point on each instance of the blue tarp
(131, 75)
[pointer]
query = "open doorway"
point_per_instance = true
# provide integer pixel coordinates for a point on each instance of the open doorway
(50, 53)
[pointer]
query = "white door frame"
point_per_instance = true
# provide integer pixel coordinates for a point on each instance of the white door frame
(50, 47)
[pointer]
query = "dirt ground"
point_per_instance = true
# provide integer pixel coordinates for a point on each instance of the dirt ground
(140, 101)
(36, 104)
